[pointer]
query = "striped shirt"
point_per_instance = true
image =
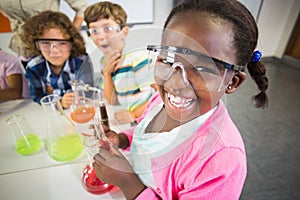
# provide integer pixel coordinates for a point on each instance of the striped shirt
(132, 79)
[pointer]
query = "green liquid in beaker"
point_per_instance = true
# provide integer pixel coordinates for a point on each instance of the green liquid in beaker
(66, 148)
(28, 144)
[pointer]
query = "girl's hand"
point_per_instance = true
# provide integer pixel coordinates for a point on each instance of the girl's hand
(111, 135)
(111, 59)
(113, 168)
(120, 140)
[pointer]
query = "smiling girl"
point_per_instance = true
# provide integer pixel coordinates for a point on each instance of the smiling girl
(186, 146)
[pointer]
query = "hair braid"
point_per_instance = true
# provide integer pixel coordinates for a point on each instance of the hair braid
(257, 72)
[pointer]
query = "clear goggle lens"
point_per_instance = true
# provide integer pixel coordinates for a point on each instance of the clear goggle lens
(48, 44)
(211, 74)
(103, 30)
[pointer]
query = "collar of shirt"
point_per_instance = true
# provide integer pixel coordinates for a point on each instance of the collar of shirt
(67, 69)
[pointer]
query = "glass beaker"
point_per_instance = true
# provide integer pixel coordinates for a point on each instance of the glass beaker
(63, 141)
(26, 141)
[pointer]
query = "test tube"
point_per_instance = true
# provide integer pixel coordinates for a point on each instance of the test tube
(103, 114)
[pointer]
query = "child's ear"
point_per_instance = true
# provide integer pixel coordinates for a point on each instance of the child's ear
(125, 30)
(235, 82)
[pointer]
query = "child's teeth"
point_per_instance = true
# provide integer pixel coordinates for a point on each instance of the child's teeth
(179, 102)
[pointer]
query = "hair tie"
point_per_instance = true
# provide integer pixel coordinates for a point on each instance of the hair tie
(256, 55)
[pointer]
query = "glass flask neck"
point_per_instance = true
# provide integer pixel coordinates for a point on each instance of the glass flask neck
(51, 104)
(78, 89)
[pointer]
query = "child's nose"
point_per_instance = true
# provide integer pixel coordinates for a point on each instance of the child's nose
(54, 49)
(100, 37)
(176, 83)
(54, 45)
(179, 69)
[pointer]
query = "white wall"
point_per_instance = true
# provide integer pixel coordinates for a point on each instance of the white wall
(253, 6)
(137, 11)
(275, 23)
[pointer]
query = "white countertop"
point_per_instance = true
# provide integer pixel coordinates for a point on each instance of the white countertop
(38, 176)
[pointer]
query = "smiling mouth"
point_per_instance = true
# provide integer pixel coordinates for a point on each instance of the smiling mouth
(179, 102)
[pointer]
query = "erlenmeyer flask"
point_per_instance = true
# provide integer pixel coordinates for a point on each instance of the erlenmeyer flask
(26, 141)
(83, 112)
(92, 183)
(93, 140)
(63, 141)
(82, 109)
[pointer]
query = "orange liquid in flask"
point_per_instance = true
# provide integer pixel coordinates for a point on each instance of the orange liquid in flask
(83, 114)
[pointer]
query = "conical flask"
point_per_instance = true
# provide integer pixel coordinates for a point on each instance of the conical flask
(93, 140)
(82, 109)
(63, 141)
(83, 114)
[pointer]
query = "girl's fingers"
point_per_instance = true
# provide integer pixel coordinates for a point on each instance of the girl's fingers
(114, 149)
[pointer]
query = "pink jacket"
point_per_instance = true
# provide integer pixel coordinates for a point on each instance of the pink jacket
(209, 165)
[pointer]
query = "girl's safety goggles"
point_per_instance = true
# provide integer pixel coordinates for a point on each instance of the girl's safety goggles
(213, 74)
(46, 44)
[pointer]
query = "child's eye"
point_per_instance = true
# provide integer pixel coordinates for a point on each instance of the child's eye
(64, 43)
(163, 61)
(93, 31)
(45, 43)
(107, 29)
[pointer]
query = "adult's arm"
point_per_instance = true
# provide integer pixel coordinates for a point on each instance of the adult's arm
(78, 6)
